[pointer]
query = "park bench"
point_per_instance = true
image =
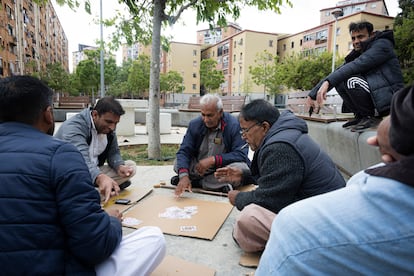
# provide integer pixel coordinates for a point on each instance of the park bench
(329, 112)
(74, 102)
(230, 104)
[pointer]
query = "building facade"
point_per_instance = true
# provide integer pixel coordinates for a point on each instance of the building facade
(31, 37)
(321, 38)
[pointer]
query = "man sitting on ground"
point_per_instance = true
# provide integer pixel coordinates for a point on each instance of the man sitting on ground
(287, 166)
(52, 222)
(367, 227)
(212, 141)
(92, 131)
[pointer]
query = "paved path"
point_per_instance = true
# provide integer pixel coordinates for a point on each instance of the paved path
(221, 254)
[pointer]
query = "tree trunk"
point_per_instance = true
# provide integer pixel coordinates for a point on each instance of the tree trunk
(153, 124)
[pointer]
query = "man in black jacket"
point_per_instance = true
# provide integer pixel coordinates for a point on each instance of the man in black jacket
(368, 78)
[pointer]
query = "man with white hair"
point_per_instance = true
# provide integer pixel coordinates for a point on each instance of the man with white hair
(212, 141)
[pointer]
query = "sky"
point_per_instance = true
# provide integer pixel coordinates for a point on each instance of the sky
(82, 28)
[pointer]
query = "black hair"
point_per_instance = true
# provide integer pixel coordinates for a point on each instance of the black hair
(23, 99)
(260, 111)
(109, 104)
(362, 25)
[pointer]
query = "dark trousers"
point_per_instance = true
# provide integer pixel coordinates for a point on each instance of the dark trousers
(356, 96)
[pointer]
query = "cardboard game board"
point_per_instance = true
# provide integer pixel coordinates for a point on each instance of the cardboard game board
(204, 223)
(171, 266)
(134, 194)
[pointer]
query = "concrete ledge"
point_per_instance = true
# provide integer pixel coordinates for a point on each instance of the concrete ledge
(178, 118)
(349, 150)
(60, 114)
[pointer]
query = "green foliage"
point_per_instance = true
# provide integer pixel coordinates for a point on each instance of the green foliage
(404, 39)
(266, 73)
(139, 75)
(56, 77)
(171, 82)
(119, 87)
(210, 77)
(297, 72)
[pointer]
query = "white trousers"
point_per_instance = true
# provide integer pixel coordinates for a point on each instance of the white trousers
(139, 253)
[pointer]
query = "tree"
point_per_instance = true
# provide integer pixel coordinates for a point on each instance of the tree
(210, 77)
(144, 25)
(56, 77)
(158, 12)
(119, 87)
(139, 75)
(265, 73)
(171, 82)
(404, 39)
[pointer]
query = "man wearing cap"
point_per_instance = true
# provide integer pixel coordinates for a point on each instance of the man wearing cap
(365, 228)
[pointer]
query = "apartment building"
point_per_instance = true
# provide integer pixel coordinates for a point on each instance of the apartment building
(234, 56)
(133, 51)
(210, 37)
(184, 58)
(321, 38)
(31, 37)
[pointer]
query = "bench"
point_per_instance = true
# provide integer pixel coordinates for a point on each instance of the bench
(74, 102)
(329, 112)
(230, 104)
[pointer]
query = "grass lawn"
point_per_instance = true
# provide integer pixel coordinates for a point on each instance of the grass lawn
(139, 154)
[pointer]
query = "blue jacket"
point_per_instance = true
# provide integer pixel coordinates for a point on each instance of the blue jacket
(289, 166)
(378, 64)
(77, 130)
(51, 220)
(194, 137)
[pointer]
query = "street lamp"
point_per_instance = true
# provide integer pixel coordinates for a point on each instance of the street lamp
(336, 13)
(102, 57)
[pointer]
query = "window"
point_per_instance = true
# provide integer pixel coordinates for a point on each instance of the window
(194, 75)
(195, 63)
(292, 45)
(194, 86)
(234, 57)
(194, 53)
(284, 47)
(270, 43)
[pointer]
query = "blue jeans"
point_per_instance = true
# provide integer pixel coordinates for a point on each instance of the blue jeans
(366, 228)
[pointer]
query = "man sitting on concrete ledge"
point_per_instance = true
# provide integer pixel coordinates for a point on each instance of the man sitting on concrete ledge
(365, 228)
(212, 141)
(92, 131)
(367, 80)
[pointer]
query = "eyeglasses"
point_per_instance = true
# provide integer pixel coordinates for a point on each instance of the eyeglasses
(245, 130)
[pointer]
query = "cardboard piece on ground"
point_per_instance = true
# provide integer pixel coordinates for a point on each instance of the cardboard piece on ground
(171, 266)
(244, 188)
(204, 224)
(250, 259)
(132, 193)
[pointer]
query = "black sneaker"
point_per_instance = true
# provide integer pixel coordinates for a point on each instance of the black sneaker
(367, 122)
(352, 122)
(226, 189)
(174, 180)
(124, 185)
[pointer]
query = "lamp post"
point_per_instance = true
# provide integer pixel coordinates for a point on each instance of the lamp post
(102, 57)
(336, 13)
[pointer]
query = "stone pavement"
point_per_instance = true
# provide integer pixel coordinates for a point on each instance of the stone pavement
(221, 254)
